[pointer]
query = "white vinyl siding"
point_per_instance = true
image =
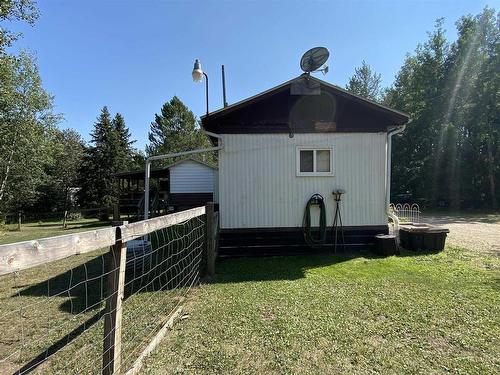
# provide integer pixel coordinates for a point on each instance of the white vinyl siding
(259, 186)
(192, 177)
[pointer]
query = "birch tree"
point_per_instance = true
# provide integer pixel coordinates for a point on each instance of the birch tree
(26, 117)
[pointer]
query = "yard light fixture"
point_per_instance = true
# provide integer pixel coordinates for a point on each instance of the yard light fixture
(198, 74)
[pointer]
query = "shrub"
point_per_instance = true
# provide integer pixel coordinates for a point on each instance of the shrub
(73, 216)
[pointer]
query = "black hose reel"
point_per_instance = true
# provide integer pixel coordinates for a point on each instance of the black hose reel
(315, 200)
(337, 227)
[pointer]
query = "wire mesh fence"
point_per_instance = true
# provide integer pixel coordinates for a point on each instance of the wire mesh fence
(98, 311)
(159, 281)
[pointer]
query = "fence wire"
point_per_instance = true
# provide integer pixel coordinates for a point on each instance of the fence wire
(52, 316)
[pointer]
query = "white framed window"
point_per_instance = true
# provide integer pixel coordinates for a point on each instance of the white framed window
(314, 161)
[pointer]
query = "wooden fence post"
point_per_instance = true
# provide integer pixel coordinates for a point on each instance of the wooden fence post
(19, 219)
(116, 212)
(210, 239)
(111, 360)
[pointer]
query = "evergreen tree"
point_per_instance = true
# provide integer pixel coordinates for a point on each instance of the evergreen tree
(486, 110)
(474, 96)
(418, 90)
(123, 144)
(138, 160)
(100, 163)
(174, 130)
(450, 153)
(365, 83)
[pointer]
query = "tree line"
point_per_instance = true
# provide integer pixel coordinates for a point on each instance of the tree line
(110, 151)
(44, 168)
(448, 156)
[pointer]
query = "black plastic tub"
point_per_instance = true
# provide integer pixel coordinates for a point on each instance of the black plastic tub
(423, 237)
(385, 244)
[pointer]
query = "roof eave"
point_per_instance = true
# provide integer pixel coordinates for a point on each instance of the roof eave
(363, 99)
(248, 100)
(402, 116)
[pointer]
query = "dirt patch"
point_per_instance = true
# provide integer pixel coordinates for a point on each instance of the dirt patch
(268, 315)
(473, 233)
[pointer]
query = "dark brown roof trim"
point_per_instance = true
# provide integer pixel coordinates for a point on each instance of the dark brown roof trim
(402, 117)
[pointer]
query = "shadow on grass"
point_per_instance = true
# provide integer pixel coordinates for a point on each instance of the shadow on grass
(59, 344)
(81, 286)
(84, 290)
(84, 287)
(410, 253)
(294, 267)
(291, 267)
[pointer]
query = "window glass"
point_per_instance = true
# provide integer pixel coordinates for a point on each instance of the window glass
(306, 160)
(323, 161)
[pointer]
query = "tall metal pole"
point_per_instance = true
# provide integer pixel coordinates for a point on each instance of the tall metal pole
(146, 189)
(174, 155)
(224, 87)
(206, 88)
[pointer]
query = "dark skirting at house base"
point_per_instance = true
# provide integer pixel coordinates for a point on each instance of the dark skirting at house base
(290, 241)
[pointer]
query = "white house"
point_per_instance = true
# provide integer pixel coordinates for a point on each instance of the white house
(302, 137)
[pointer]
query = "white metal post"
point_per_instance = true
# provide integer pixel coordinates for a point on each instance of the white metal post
(146, 189)
(388, 172)
(390, 133)
(166, 156)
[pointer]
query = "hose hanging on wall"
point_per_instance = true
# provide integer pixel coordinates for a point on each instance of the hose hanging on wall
(316, 199)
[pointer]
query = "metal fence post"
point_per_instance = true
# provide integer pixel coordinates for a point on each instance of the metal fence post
(111, 360)
(64, 219)
(210, 240)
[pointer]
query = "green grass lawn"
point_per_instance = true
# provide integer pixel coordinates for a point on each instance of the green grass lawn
(30, 231)
(426, 314)
(359, 313)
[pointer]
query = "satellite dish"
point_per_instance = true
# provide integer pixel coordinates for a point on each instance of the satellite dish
(313, 59)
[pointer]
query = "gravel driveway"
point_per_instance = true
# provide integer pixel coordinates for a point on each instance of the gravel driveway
(474, 232)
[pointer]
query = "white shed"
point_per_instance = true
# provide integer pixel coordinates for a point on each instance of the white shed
(303, 137)
(192, 182)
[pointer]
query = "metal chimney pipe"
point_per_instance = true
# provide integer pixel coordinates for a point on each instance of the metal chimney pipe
(224, 87)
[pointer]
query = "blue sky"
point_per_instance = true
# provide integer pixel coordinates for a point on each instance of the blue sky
(134, 55)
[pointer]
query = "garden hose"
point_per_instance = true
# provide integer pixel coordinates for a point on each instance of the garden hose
(316, 199)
